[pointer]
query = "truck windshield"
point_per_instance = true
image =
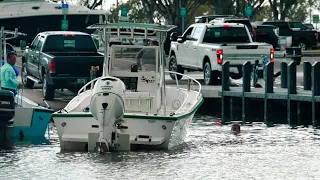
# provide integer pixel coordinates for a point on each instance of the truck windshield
(69, 43)
(226, 35)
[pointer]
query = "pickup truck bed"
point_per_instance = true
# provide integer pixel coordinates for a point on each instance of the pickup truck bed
(61, 59)
(76, 64)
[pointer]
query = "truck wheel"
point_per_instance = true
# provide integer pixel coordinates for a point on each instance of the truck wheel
(173, 66)
(297, 60)
(25, 81)
(47, 90)
(210, 77)
(237, 75)
(302, 45)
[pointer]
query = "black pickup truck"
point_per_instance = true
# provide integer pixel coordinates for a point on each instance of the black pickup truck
(301, 35)
(268, 34)
(60, 59)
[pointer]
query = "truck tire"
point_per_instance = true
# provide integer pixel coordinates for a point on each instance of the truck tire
(173, 66)
(210, 77)
(303, 45)
(237, 75)
(297, 60)
(24, 73)
(47, 90)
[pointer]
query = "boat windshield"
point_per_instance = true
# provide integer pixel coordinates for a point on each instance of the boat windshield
(129, 58)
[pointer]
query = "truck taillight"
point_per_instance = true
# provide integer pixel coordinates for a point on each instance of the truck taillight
(317, 35)
(52, 67)
(219, 56)
(272, 55)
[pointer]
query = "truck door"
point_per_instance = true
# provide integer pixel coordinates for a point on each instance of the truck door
(37, 54)
(185, 47)
(31, 66)
(193, 54)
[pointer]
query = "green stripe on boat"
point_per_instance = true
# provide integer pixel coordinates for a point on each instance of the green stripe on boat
(134, 116)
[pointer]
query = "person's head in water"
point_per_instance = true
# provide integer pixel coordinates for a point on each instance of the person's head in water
(235, 128)
(11, 58)
(153, 43)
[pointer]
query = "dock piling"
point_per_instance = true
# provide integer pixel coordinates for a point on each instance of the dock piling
(315, 92)
(225, 100)
(284, 77)
(306, 75)
(269, 80)
(246, 80)
(292, 89)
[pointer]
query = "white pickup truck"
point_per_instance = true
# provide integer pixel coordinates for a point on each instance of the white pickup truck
(205, 46)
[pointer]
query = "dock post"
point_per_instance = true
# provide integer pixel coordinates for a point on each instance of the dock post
(284, 77)
(268, 79)
(246, 79)
(225, 100)
(315, 91)
(292, 89)
(306, 75)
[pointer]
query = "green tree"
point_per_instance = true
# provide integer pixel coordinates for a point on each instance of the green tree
(237, 7)
(169, 9)
(200, 11)
(137, 12)
(281, 7)
(263, 14)
(292, 9)
(299, 11)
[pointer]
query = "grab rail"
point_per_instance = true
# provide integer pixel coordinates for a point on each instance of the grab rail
(91, 84)
(190, 81)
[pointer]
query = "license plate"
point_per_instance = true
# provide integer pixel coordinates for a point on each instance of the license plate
(81, 81)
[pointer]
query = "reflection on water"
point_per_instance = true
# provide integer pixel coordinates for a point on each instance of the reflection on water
(210, 152)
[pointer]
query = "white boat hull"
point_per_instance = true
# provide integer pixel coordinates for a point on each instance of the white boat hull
(156, 116)
(74, 128)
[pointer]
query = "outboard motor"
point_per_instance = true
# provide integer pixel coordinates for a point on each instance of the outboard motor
(7, 107)
(107, 106)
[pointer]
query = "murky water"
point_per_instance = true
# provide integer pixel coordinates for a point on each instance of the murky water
(210, 152)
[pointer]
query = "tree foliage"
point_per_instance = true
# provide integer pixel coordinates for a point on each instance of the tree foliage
(237, 7)
(137, 12)
(154, 11)
(169, 9)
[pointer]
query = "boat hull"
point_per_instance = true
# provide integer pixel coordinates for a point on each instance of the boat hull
(31, 122)
(149, 132)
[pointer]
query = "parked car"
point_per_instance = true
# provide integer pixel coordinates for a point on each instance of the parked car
(60, 59)
(301, 35)
(268, 34)
(205, 46)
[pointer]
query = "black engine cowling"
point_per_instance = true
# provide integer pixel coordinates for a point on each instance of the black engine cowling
(7, 107)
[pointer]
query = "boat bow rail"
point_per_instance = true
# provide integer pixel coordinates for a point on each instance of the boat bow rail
(191, 82)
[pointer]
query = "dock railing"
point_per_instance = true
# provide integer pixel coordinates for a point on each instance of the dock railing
(301, 103)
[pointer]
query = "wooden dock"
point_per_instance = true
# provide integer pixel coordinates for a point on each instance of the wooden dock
(300, 106)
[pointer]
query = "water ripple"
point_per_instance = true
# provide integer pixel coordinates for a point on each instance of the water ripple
(209, 152)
